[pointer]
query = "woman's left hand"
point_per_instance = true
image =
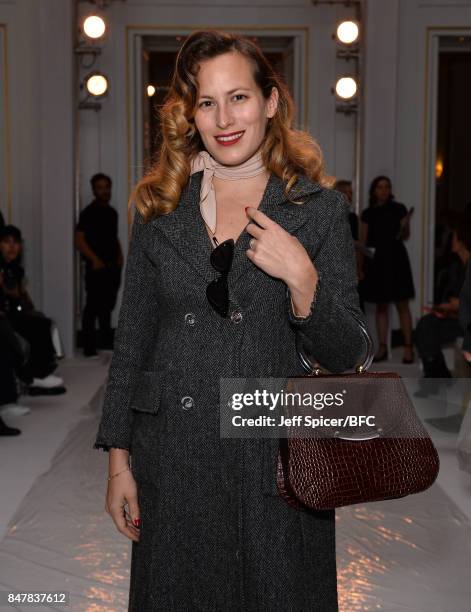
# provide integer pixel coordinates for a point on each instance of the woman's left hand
(282, 256)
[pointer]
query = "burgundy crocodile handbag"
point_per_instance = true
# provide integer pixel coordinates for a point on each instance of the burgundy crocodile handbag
(396, 459)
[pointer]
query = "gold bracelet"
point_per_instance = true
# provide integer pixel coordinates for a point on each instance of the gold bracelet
(125, 470)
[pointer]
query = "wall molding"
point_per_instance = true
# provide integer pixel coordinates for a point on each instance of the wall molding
(6, 201)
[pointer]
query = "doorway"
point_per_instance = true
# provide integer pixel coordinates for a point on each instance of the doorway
(449, 191)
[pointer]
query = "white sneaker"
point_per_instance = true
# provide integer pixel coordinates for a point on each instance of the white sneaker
(14, 410)
(48, 382)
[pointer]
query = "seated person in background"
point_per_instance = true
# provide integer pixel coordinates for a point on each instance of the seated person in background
(442, 325)
(465, 313)
(448, 267)
(29, 323)
(15, 295)
(11, 358)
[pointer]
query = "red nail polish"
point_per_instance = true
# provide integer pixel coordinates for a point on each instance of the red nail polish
(137, 522)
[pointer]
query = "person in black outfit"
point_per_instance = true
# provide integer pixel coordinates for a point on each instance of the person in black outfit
(442, 324)
(345, 187)
(28, 322)
(10, 358)
(465, 313)
(448, 266)
(96, 237)
(388, 275)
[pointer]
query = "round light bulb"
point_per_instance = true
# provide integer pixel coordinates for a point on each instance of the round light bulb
(94, 26)
(346, 88)
(150, 90)
(348, 32)
(97, 85)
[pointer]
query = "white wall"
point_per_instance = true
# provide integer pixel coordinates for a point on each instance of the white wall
(41, 131)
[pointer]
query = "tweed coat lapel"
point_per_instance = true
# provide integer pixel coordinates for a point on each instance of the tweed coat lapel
(275, 205)
(185, 229)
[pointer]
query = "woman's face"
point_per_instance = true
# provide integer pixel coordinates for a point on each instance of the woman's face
(230, 103)
(10, 248)
(382, 191)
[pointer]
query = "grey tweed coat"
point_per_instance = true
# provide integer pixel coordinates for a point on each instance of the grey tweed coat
(215, 535)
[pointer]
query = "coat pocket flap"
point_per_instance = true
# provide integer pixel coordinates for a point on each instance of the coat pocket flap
(147, 392)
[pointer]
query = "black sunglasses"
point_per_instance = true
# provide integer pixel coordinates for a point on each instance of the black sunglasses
(217, 291)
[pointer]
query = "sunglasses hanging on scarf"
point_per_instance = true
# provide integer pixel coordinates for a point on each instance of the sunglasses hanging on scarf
(217, 291)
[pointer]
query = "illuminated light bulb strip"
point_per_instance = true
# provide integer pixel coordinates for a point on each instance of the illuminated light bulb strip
(348, 32)
(94, 26)
(346, 88)
(96, 84)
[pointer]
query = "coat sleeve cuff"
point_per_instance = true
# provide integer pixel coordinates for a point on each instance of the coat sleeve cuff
(293, 318)
(328, 326)
(115, 428)
(106, 446)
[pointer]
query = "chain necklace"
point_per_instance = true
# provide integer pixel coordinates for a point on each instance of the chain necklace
(213, 237)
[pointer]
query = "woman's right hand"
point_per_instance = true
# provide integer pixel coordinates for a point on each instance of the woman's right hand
(122, 490)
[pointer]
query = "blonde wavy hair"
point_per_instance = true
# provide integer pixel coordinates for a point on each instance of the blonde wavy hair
(285, 151)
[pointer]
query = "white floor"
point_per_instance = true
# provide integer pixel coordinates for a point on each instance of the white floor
(409, 554)
(23, 458)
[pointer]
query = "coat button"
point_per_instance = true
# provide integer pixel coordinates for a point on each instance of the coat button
(187, 402)
(236, 316)
(190, 318)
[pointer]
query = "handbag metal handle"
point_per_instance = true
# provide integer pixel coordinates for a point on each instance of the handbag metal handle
(315, 370)
(363, 367)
